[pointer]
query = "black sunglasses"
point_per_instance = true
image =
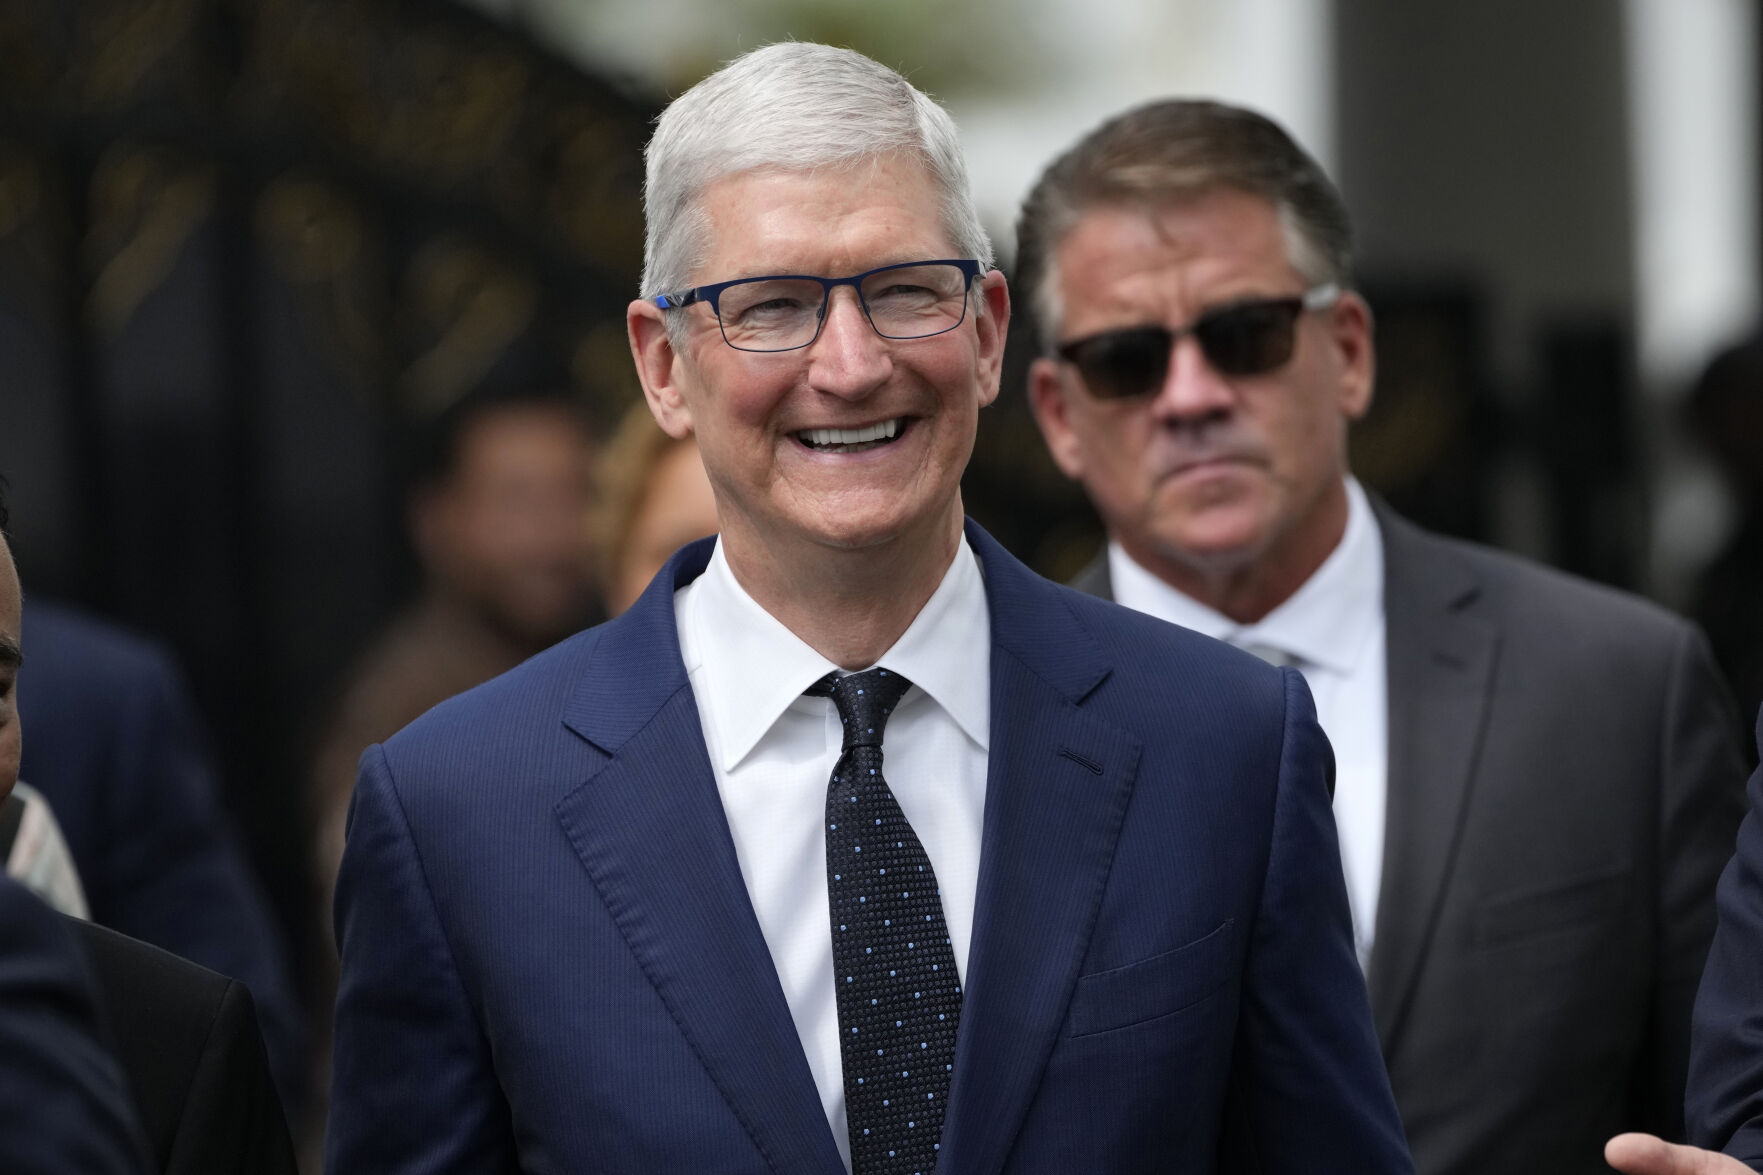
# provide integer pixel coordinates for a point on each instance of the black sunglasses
(1244, 338)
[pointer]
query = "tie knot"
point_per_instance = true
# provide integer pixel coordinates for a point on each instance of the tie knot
(864, 701)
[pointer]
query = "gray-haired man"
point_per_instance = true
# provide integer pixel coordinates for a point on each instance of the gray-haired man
(655, 902)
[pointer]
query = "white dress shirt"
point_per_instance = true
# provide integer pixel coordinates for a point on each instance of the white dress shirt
(1332, 630)
(773, 752)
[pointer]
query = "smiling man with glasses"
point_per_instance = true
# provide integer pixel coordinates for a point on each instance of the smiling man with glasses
(852, 845)
(1537, 778)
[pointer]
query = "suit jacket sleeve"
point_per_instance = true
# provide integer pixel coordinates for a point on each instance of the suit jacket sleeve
(1700, 805)
(1309, 1091)
(1724, 1106)
(413, 1086)
(64, 1105)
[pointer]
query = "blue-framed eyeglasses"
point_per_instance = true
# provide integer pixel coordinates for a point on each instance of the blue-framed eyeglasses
(911, 300)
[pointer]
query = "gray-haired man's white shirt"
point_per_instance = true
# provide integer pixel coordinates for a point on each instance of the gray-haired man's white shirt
(1332, 631)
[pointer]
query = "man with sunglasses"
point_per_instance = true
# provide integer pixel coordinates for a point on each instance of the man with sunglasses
(649, 903)
(1537, 778)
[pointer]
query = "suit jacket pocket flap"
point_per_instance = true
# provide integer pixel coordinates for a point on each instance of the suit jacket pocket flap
(1158, 986)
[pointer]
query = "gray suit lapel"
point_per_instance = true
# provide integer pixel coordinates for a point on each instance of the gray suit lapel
(1442, 648)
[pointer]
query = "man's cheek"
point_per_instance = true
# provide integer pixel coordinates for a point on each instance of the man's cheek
(9, 756)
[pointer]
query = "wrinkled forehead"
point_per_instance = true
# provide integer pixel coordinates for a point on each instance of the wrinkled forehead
(1207, 219)
(827, 221)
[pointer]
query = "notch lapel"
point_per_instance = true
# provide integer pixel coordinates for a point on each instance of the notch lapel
(1441, 657)
(1057, 788)
(650, 830)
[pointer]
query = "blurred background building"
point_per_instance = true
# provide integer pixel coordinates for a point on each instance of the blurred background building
(249, 247)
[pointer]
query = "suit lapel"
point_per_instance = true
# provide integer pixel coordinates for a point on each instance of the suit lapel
(1441, 656)
(650, 830)
(1057, 788)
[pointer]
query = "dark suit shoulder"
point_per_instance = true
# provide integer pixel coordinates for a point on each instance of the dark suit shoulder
(64, 1103)
(1568, 613)
(143, 975)
(190, 1046)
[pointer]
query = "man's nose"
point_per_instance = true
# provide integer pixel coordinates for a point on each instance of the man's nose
(1193, 391)
(849, 358)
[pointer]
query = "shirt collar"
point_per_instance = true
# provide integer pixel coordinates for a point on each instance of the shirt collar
(1325, 623)
(753, 668)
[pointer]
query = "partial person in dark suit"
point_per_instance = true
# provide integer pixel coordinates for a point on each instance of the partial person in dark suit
(1538, 778)
(1725, 412)
(632, 906)
(188, 1041)
(117, 749)
(1724, 1104)
(191, 1056)
(64, 1104)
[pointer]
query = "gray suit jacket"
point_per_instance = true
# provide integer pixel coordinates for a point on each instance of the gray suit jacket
(1564, 787)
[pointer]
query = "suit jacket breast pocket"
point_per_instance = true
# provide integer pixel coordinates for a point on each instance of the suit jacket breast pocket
(1159, 986)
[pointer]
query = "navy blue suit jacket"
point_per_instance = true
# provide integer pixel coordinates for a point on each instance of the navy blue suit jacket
(550, 962)
(64, 1104)
(1723, 1108)
(113, 742)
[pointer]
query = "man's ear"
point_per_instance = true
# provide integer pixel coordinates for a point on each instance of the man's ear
(1350, 329)
(992, 323)
(659, 367)
(1048, 395)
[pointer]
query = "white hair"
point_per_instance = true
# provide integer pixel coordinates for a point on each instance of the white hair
(793, 106)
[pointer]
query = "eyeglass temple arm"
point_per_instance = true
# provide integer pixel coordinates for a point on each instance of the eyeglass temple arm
(676, 301)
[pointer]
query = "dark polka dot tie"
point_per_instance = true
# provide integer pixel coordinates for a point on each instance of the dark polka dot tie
(899, 996)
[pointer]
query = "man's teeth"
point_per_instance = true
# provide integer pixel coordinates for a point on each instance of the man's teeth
(821, 438)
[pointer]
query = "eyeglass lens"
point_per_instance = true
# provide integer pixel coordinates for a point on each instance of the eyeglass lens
(779, 314)
(1252, 338)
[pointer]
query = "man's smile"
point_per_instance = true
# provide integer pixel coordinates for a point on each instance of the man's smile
(853, 440)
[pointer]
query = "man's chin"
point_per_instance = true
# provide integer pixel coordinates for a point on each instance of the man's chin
(1216, 539)
(875, 519)
(1218, 516)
